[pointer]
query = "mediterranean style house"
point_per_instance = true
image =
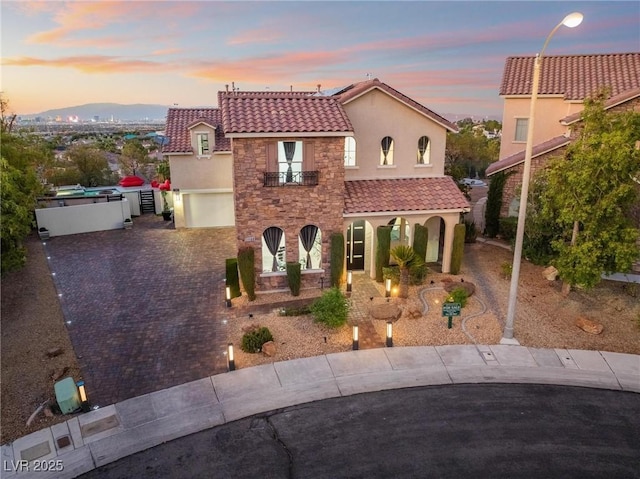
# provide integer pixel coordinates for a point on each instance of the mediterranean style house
(289, 169)
(565, 82)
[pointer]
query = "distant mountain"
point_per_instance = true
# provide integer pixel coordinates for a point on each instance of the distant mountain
(107, 111)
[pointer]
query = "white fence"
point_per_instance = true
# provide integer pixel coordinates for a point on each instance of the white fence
(84, 218)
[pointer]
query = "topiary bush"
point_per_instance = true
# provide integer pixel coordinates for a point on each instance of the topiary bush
(293, 277)
(458, 295)
(383, 250)
(420, 238)
(494, 203)
(247, 272)
(331, 309)
(254, 338)
(232, 278)
(459, 231)
(337, 259)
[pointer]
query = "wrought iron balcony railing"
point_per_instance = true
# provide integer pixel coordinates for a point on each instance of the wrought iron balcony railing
(301, 178)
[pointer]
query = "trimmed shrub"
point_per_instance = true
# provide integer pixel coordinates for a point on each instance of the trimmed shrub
(458, 295)
(458, 248)
(293, 277)
(246, 262)
(508, 227)
(418, 273)
(471, 233)
(494, 203)
(232, 278)
(420, 238)
(337, 259)
(507, 269)
(253, 339)
(392, 273)
(331, 309)
(383, 250)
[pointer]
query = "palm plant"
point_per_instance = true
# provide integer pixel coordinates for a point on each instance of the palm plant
(406, 257)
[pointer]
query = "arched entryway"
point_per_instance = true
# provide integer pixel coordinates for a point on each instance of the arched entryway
(435, 239)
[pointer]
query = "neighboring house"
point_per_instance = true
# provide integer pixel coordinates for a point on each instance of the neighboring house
(289, 169)
(565, 82)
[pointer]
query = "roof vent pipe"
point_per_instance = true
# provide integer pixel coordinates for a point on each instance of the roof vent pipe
(226, 87)
(318, 87)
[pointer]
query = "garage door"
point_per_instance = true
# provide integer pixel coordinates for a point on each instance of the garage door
(206, 210)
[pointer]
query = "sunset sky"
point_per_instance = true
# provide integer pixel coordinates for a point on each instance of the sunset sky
(447, 55)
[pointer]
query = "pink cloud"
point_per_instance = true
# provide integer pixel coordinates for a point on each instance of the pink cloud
(91, 64)
(261, 36)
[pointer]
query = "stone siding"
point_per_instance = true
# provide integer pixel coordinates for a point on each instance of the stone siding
(289, 207)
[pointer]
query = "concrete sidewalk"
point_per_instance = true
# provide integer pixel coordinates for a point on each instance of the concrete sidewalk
(87, 441)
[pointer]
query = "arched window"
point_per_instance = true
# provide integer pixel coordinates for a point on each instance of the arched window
(349, 151)
(386, 151)
(273, 252)
(310, 247)
(424, 150)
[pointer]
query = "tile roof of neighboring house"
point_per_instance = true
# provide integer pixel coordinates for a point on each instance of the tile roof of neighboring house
(573, 76)
(354, 90)
(537, 150)
(610, 103)
(282, 112)
(404, 194)
(177, 129)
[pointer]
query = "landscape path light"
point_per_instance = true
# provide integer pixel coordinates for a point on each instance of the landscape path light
(571, 20)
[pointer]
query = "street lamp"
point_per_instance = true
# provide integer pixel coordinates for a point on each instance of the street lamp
(571, 20)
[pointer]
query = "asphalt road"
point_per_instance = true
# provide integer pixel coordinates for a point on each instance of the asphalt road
(497, 431)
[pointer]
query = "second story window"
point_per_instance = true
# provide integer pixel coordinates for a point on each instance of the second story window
(290, 159)
(386, 151)
(203, 143)
(522, 124)
(424, 150)
(349, 151)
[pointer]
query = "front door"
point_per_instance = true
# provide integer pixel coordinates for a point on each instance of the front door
(355, 246)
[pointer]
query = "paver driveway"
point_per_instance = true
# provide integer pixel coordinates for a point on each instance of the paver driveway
(144, 307)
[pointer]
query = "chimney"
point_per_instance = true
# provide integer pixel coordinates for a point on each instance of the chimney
(318, 87)
(291, 88)
(226, 87)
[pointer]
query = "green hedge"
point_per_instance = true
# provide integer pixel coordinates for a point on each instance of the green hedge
(246, 263)
(458, 248)
(232, 278)
(420, 238)
(293, 277)
(383, 249)
(494, 203)
(337, 259)
(508, 227)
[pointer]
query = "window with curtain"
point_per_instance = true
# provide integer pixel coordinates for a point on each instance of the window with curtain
(424, 150)
(522, 124)
(386, 151)
(310, 247)
(290, 159)
(203, 143)
(273, 250)
(349, 151)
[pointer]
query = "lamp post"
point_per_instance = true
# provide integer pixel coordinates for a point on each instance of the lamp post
(571, 20)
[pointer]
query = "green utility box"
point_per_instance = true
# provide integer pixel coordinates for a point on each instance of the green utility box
(67, 395)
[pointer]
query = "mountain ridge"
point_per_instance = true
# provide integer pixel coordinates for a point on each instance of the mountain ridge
(104, 111)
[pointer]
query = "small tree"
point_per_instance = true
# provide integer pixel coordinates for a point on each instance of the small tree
(232, 279)
(420, 239)
(406, 257)
(494, 204)
(337, 259)
(293, 277)
(459, 231)
(589, 194)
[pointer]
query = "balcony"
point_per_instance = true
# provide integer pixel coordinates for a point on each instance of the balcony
(300, 178)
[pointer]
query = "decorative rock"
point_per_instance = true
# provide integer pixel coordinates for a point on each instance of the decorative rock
(414, 312)
(470, 288)
(550, 273)
(588, 325)
(269, 348)
(53, 352)
(385, 311)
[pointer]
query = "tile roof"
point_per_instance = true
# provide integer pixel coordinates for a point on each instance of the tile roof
(177, 129)
(282, 112)
(403, 194)
(517, 158)
(610, 103)
(573, 76)
(355, 90)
